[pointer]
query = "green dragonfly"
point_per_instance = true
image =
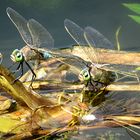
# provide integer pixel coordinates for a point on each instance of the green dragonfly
(93, 38)
(38, 38)
(34, 35)
(95, 75)
(88, 71)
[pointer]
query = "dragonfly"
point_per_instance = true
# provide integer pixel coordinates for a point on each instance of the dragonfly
(37, 37)
(34, 35)
(93, 38)
(95, 73)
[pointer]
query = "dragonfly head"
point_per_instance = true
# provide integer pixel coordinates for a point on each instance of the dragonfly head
(17, 56)
(84, 75)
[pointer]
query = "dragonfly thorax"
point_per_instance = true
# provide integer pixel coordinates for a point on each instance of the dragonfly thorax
(46, 55)
(17, 56)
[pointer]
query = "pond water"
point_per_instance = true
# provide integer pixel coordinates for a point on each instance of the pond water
(105, 16)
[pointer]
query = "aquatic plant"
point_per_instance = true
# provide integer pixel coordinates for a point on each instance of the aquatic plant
(135, 7)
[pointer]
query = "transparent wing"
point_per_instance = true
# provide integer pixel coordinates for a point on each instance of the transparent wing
(77, 33)
(126, 70)
(93, 37)
(40, 36)
(77, 63)
(21, 24)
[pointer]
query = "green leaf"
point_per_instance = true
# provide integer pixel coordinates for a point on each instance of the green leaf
(135, 7)
(138, 69)
(135, 18)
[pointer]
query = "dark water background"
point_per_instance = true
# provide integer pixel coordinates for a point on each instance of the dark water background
(105, 16)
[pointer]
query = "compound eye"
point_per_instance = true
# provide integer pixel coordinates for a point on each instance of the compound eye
(17, 56)
(86, 75)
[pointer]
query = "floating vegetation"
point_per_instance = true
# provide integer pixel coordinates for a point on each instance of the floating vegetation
(79, 92)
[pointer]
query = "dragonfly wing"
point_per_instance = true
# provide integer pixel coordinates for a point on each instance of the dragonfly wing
(97, 39)
(77, 33)
(77, 63)
(41, 37)
(21, 24)
(126, 70)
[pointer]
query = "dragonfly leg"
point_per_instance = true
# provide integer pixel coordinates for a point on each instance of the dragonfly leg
(94, 85)
(33, 78)
(20, 66)
(34, 75)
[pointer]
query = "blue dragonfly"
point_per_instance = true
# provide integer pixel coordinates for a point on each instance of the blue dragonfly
(34, 35)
